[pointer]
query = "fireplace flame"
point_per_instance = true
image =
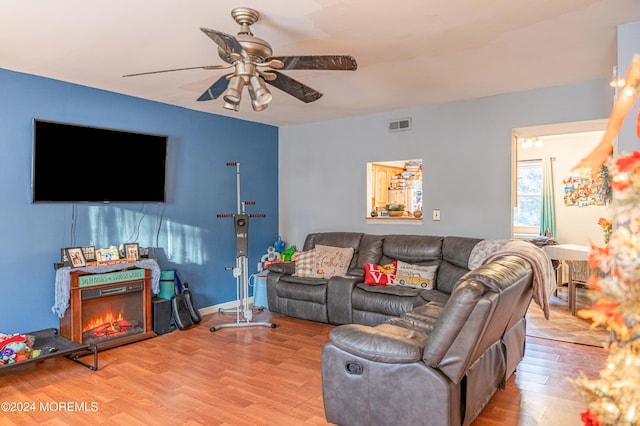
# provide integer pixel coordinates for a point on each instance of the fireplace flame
(106, 318)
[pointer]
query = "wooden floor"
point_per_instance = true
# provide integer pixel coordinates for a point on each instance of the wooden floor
(253, 376)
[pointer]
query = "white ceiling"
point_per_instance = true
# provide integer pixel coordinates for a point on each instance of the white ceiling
(409, 52)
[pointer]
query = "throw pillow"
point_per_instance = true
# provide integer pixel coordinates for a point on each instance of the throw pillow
(415, 275)
(379, 274)
(305, 263)
(332, 261)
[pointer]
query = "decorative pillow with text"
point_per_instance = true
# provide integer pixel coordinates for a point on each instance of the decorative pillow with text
(415, 275)
(379, 274)
(332, 261)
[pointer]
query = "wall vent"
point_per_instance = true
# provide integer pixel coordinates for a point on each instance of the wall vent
(401, 124)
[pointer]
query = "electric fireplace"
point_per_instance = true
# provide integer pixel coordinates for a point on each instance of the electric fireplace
(109, 309)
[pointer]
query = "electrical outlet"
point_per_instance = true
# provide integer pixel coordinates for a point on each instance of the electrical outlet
(436, 214)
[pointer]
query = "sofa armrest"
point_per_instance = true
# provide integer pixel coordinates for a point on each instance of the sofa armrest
(339, 289)
(383, 343)
(286, 268)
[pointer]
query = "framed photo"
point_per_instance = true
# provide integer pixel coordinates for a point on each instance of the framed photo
(89, 253)
(131, 251)
(76, 257)
(64, 258)
(107, 254)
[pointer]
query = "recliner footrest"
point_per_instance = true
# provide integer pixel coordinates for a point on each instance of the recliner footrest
(383, 343)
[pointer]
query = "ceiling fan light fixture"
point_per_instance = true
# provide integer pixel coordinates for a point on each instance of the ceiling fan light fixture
(230, 106)
(258, 107)
(259, 93)
(233, 94)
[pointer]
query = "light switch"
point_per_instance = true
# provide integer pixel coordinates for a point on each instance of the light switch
(436, 214)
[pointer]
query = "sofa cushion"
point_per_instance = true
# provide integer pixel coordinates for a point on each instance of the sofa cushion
(384, 343)
(422, 318)
(380, 274)
(330, 260)
(336, 239)
(305, 264)
(456, 250)
(370, 251)
(415, 275)
(386, 300)
(435, 296)
(306, 289)
(416, 249)
(448, 276)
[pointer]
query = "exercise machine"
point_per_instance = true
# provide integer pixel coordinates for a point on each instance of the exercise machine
(244, 313)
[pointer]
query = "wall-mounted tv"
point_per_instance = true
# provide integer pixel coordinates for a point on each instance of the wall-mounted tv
(74, 163)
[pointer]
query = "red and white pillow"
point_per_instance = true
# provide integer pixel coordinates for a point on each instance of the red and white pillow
(380, 274)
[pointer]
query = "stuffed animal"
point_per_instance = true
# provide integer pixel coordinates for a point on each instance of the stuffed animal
(18, 347)
(279, 245)
(287, 254)
(271, 255)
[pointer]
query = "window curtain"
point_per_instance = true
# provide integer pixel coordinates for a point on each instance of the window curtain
(547, 208)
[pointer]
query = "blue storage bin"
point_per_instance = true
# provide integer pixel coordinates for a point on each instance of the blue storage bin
(259, 282)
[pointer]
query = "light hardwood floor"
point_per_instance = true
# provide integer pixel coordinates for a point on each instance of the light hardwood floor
(253, 376)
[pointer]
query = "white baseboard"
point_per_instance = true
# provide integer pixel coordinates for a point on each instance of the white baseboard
(227, 305)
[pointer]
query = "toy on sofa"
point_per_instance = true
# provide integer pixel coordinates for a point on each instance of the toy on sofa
(279, 245)
(272, 256)
(18, 347)
(287, 254)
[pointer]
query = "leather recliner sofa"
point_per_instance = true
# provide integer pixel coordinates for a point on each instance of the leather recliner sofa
(409, 356)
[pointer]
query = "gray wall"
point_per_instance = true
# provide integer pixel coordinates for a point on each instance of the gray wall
(467, 151)
(628, 46)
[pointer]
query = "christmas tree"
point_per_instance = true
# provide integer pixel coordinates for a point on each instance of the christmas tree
(615, 396)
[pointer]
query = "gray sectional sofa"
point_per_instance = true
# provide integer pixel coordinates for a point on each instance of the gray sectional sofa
(403, 355)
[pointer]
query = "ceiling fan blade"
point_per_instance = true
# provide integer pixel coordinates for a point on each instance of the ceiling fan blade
(294, 88)
(216, 89)
(227, 43)
(317, 62)
(206, 67)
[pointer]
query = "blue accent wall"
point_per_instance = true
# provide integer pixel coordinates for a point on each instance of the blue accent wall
(184, 233)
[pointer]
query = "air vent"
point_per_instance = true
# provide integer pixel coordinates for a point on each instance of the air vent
(398, 125)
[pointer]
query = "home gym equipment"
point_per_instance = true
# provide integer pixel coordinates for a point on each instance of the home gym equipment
(244, 313)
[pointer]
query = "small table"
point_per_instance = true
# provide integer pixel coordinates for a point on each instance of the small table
(570, 253)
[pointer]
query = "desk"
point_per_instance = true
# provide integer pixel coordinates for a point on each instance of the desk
(570, 253)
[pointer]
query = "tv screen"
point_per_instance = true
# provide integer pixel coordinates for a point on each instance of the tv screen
(73, 163)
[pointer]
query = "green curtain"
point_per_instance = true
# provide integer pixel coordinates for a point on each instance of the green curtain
(547, 209)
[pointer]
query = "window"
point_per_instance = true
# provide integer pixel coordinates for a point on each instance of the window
(394, 190)
(526, 219)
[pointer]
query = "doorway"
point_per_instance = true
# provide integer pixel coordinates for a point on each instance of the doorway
(577, 208)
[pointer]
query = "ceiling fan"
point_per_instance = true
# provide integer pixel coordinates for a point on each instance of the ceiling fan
(252, 65)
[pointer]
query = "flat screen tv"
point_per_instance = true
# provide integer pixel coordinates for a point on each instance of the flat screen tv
(74, 164)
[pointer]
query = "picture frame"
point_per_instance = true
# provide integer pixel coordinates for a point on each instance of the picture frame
(64, 258)
(131, 251)
(89, 253)
(107, 254)
(76, 257)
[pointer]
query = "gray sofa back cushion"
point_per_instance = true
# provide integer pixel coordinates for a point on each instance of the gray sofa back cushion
(455, 261)
(336, 239)
(416, 249)
(370, 252)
